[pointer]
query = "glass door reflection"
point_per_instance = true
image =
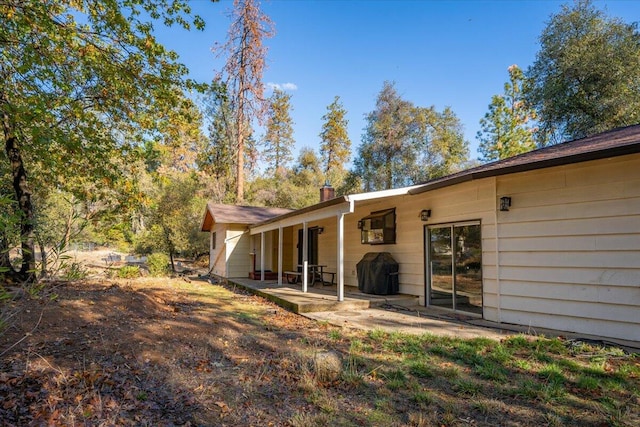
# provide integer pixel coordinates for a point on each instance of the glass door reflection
(440, 267)
(455, 267)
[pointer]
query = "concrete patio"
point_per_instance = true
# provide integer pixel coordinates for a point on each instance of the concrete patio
(321, 297)
(394, 313)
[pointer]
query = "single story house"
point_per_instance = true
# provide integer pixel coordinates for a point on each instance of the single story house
(232, 252)
(546, 239)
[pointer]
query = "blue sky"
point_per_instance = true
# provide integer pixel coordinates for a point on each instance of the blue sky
(441, 53)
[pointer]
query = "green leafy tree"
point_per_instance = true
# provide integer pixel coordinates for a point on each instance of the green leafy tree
(298, 188)
(307, 176)
(335, 145)
(177, 215)
(442, 144)
(352, 184)
(388, 142)
(245, 63)
(586, 76)
(180, 138)
(174, 207)
(80, 82)
(508, 128)
(404, 144)
(278, 139)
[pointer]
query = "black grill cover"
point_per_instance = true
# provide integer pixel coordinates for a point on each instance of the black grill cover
(378, 274)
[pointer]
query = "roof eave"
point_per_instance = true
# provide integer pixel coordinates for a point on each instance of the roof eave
(203, 224)
(529, 166)
(318, 206)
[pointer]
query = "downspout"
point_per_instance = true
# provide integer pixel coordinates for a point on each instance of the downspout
(280, 236)
(262, 256)
(305, 259)
(340, 248)
(340, 263)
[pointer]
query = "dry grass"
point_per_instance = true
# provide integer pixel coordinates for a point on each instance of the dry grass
(167, 352)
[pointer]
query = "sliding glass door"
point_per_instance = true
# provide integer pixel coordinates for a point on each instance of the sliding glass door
(454, 267)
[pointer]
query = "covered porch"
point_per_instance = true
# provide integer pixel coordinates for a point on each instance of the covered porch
(293, 258)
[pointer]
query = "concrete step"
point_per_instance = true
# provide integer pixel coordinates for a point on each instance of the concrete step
(321, 298)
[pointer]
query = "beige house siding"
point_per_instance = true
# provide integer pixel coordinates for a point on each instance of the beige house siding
(255, 246)
(238, 248)
(570, 248)
(469, 201)
(225, 260)
(271, 250)
(217, 256)
(288, 249)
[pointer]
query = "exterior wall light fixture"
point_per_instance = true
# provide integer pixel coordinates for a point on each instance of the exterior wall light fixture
(505, 203)
(425, 214)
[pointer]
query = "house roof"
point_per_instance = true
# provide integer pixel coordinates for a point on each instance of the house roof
(332, 206)
(231, 214)
(617, 142)
(609, 144)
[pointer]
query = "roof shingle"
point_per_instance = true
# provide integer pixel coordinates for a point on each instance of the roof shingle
(231, 214)
(613, 143)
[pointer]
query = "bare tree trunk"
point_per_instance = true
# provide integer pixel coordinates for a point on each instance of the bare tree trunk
(43, 254)
(171, 246)
(23, 194)
(68, 226)
(240, 164)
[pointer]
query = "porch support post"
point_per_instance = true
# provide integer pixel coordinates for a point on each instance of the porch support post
(262, 256)
(340, 261)
(280, 255)
(305, 259)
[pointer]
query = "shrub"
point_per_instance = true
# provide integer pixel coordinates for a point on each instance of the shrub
(129, 272)
(158, 264)
(74, 271)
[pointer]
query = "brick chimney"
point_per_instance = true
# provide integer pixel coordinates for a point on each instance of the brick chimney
(327, 192)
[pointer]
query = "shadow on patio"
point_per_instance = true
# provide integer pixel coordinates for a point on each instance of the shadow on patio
(320, 297)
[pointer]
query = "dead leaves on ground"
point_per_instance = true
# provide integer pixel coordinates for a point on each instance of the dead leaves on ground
(116, 395)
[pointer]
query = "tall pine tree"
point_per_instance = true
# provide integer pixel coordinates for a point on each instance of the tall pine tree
(278, 139)
(335, 145)
(508, 128)
(245, 63)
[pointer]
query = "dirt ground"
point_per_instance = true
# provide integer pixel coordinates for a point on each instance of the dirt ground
(186, 352)
(143, 353)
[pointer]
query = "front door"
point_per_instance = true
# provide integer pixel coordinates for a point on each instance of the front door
(454, 267)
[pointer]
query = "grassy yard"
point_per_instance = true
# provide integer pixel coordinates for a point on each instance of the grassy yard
(168, 352)
(430, 380)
